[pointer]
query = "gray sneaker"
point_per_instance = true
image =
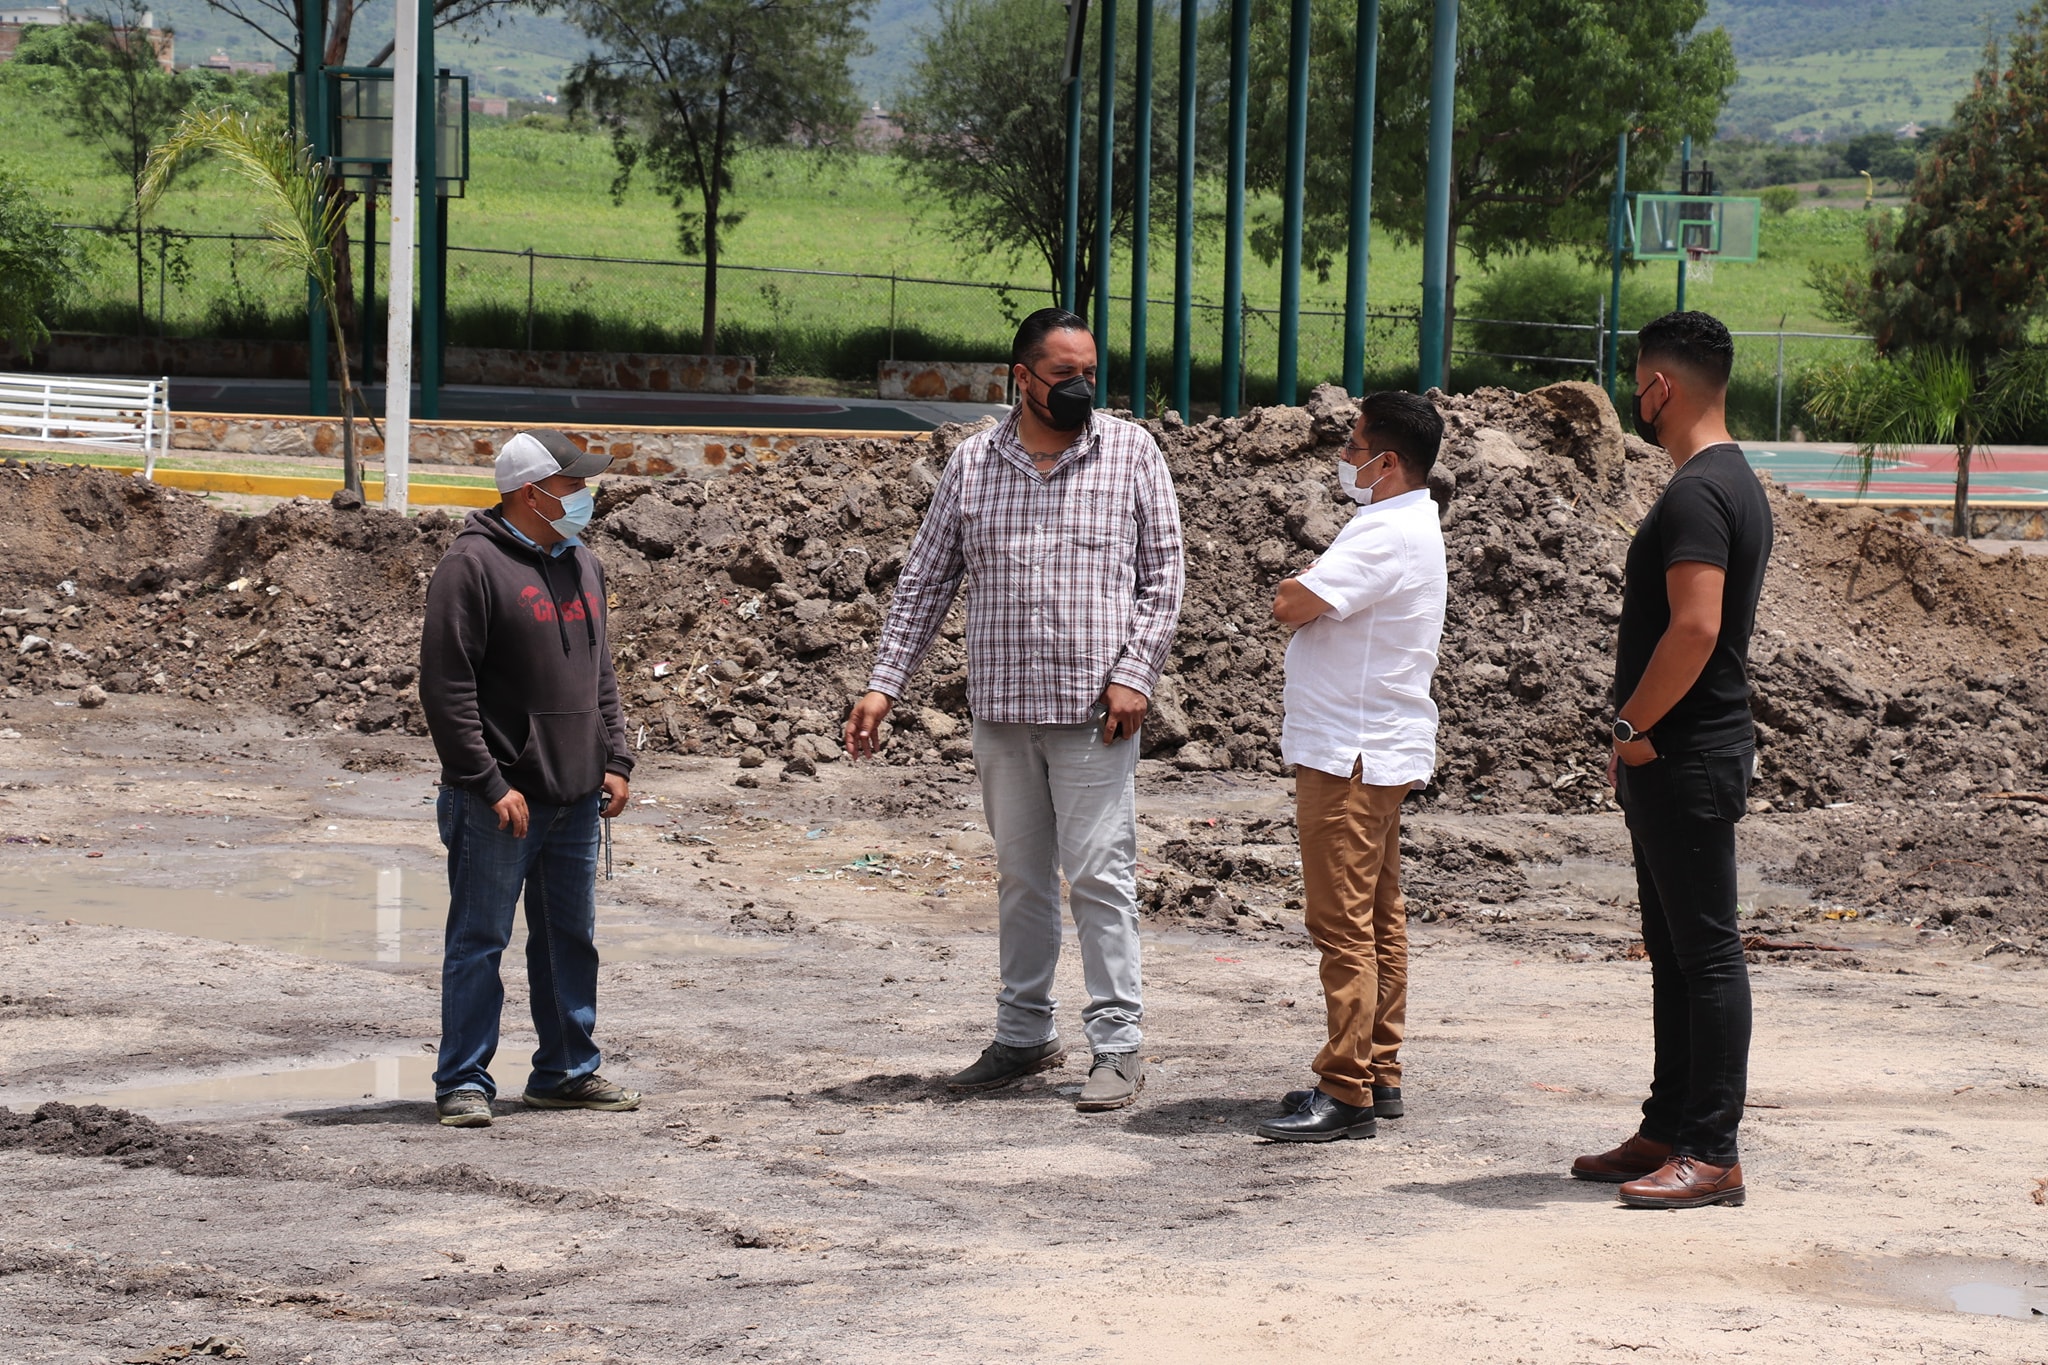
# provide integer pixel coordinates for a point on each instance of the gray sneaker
(1113, 1082)
(468, 1108)
(585, 1092)
(1000, 1065)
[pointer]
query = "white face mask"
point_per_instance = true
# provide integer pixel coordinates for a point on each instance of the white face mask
(1347, 478)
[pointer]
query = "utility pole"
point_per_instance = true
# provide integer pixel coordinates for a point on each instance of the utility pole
(405, 107)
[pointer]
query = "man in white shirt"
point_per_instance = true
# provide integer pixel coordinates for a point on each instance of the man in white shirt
(1361, 732)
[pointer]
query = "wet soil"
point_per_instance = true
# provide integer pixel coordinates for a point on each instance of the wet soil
(797, 1186)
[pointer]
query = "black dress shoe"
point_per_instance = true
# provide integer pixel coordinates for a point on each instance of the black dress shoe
(1386, 1101)
(1321, 1119)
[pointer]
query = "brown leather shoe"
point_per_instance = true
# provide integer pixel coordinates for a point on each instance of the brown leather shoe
(1637, 1157)
(1684, 1183)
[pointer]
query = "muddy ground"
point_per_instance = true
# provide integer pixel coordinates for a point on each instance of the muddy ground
(786, 980)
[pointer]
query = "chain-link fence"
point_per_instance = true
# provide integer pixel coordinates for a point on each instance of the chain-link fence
(838, 324)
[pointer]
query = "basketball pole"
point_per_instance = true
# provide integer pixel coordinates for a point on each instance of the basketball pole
(1105, 217)
(1616, 237)
(1684, 187)
(1436, 200)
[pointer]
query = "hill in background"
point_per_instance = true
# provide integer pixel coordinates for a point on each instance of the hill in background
(1810, 68)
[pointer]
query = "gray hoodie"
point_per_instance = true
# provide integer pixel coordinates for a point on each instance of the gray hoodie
(516, 669)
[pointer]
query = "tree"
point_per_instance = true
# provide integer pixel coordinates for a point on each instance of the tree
(121, 98)
(1931, 396)
(1545, 87)
(298, 218)
(278, 20)
(984, 120)
(686, 84)
(38, 262)
(1960, 267)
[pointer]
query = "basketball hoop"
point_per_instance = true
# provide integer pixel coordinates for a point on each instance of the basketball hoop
(1699, 265)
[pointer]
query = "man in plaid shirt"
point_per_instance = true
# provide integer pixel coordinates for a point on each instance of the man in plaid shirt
(1064, 522)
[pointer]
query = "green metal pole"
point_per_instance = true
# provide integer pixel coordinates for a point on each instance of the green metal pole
(1296, 172)
(1233, 210)
(1684, 187)
(313, 107)
(1184, 227)
(1105, 176)
(1617, 213)
(427, 354)
(1436, 199)
(1141, 205)
(1070, 233)
(1364, 103)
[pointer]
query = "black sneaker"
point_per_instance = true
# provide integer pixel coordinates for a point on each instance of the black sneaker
(1001, 1064)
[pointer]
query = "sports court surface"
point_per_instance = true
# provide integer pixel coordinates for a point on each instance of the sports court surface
(2009, 476)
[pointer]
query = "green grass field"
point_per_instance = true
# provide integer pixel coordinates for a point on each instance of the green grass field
(1842, 93)
(549, 190)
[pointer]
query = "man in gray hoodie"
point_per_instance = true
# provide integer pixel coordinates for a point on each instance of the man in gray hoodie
(517, 685)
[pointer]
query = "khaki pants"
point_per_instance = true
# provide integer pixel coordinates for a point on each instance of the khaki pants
(1351, 870)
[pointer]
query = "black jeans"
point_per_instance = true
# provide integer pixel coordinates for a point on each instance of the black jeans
(1681, 811)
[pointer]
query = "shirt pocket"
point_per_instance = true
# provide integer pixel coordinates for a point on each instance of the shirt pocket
(1099, 518)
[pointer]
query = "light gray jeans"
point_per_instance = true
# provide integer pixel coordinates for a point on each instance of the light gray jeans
(1059, 799)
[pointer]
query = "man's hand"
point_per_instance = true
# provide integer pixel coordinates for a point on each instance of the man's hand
(1634, 754)
(511, 808)
(615, 793)
(1127, 707)
(1295, 606)
(864, 726)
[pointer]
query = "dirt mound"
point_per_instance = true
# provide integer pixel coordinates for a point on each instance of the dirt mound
(1890, 666)
(56, 1129)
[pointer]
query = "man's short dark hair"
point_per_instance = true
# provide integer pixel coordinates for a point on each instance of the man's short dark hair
(1409, 425)
(1691, 340)
(1032, 332)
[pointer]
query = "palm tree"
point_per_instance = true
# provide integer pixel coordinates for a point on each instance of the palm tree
(1931, 396)
(299, 219)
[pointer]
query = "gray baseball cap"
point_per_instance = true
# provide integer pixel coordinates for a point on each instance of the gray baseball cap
(532, 456)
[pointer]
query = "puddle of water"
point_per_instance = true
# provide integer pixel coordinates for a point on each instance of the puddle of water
(327, 906)
(1609, 881)
(1998, 1300)
(374, 1078)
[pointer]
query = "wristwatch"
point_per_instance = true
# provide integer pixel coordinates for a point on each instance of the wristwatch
(1624, 733)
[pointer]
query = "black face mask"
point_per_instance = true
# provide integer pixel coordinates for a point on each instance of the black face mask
(1067, 403)
(1646, 427)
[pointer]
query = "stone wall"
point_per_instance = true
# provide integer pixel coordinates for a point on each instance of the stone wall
(943, 381)
(650, 451)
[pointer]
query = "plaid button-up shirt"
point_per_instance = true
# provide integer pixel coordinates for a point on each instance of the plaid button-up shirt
(1074, 576)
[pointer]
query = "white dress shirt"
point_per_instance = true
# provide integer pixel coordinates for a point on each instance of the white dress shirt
(1358, 676)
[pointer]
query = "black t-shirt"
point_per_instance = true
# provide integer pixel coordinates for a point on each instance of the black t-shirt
(1712, 512)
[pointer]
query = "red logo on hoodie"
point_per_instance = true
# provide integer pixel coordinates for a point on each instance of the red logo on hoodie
(543, 610)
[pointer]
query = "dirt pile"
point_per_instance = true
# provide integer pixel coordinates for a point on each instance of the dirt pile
(1889, 665)
(93, 1130)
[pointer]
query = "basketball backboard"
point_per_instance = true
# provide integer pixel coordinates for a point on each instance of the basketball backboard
(1677, 227)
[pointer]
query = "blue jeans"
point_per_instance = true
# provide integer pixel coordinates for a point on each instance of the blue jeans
(556, 865)
(1682, 810)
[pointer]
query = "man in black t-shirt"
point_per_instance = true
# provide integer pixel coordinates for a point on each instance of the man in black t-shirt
(1684, 754)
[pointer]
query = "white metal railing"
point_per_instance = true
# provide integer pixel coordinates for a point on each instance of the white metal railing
(68, 410)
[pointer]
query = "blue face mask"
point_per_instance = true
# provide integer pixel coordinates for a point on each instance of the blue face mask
(576, 512)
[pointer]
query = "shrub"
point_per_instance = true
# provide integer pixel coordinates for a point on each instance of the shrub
(1780, 200)
(1545, 289)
